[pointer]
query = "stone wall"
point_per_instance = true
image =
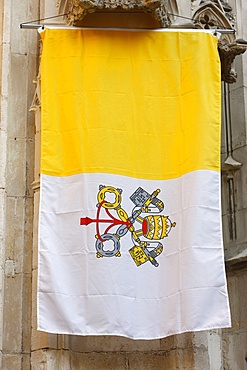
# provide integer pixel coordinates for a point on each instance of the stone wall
(235, 339)
(18, 67)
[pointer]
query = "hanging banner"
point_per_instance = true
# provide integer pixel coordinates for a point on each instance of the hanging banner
(130, 239)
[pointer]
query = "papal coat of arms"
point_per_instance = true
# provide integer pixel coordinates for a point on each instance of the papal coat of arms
(146, 224)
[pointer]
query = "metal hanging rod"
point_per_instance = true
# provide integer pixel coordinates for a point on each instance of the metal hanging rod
(34, 25)
(190, 26)
(29, 26)
(42, 26)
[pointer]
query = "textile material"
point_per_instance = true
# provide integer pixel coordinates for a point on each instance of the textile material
(130, 239)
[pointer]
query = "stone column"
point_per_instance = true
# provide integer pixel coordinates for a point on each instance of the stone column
(235, 338)
(18, 64)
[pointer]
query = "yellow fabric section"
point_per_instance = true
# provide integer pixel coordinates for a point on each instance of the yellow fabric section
(143, 104)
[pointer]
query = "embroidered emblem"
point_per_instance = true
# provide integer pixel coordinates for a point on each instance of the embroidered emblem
(145, 224)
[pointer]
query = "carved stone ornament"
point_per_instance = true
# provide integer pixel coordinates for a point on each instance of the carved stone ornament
(227, 53)
(162, 10)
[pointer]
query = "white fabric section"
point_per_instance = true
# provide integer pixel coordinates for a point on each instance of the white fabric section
(79, 293)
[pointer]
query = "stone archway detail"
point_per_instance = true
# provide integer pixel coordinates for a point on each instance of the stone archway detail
(164, 11)
(218, 15)
(210, 15)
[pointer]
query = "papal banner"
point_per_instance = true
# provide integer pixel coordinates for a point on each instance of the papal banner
(130, 238)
